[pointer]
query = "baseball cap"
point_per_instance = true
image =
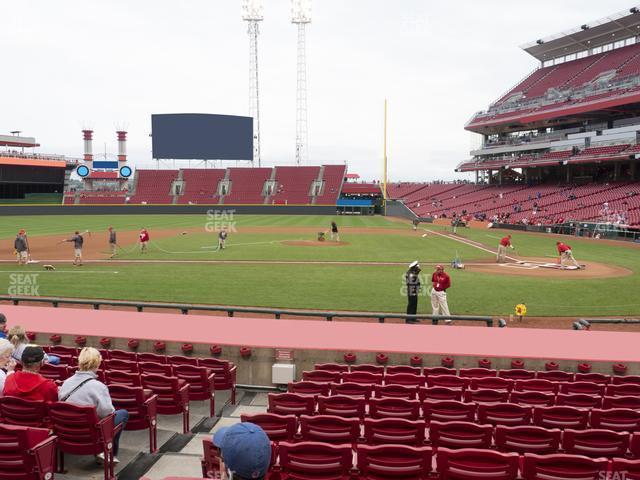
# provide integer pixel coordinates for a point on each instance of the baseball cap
(245, 449)
(32, 354)
(414, 264)
(439, 267)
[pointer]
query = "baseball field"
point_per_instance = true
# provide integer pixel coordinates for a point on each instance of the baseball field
(276, 261)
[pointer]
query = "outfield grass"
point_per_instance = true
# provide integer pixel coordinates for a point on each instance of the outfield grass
(326, 286)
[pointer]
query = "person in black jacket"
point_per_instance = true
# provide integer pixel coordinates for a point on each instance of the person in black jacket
(412, 279)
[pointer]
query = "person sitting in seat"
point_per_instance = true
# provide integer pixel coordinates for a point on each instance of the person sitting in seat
(7, 364)
(28, 383)
(84, 388)
(245, 450)
(18, 337)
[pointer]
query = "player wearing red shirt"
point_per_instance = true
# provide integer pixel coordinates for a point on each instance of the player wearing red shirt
(566, 255)
(502, 249)
(144, 240)
(441, 281)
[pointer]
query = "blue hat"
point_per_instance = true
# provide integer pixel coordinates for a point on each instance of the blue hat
(245, 449)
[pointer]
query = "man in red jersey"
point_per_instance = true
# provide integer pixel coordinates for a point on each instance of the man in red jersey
(566, 256)
(502, 249)
(440, 282)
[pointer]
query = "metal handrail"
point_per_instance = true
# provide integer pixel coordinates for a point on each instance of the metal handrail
(231, 311)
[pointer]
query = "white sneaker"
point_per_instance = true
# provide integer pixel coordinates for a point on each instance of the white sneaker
(115, 460)
(448, 321)
(100, 458)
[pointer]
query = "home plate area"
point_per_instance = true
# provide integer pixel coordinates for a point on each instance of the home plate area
(532, 265)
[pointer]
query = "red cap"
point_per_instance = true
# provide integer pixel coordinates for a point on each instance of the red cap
(439, 267)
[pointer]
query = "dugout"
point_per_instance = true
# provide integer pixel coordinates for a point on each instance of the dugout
(355, 206)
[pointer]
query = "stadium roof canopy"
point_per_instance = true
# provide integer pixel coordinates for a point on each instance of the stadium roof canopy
(16, 141)
(617, 26)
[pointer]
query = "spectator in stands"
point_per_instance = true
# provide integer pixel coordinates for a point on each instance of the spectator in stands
(245, 450)
(7, 363)
(18, 337)
(28, 383)
(84, 388)
(3, 326)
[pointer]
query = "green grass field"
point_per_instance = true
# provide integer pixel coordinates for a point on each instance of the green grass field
(370, 285)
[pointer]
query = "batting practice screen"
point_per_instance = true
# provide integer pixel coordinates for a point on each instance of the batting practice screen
(201, 136)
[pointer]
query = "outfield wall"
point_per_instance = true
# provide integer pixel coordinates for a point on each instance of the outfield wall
(25, 210)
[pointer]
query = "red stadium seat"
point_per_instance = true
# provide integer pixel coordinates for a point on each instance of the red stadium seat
(394, 462)
(621, 402)
(460, 435)
(363, 377)
(449, 381)
(600, 378)
(182, 360)
(314, 461)
(395, 391)
(81, 432)
(578, 400)
(555, 376)
(493, 383)
(322, 376)
(279, 428)
(331, 367)
(67, 360)
(439, 393)
(561, 417)
(201, 384)
(291, 404)
(152, 357)
(427, 371)
(27, 453)
(517, 374)
(533, 399)
(394, 369)
(508, 414)
(122, 378)
(309, 388)
(121, 365)
(586, 388)
(55, 372)
(537, 385)
(142, 407)
(123, 355)
(617, 419)
(64, 350)
(527, 439)
(563, 467)
(20, 411)
(394, 408)
(486, 396)
(407, 379)
(225, 374)
(351, 389)
(394, 430)
(634, 446)
(173, 396)
(341, 406)
(448, 411)
(477, 373)
(471, 464)
(329, 429)
(210, 460)
(155, 368)
(365, 367)
(623, 390)
(622, 469)
(626, 379)
(595, 443)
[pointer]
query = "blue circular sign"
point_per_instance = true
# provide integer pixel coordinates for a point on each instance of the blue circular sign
(82, 171)
(125, 172)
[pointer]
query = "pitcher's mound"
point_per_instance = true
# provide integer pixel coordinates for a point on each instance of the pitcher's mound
(313, 243)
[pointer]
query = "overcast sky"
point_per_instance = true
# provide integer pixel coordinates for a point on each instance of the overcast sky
(112, 63)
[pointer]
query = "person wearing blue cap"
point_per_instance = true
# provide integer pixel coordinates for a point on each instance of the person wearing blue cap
(245, 451)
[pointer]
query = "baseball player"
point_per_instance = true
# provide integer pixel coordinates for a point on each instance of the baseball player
(566, 255)
(334, 232)
(112, 242)
(502, 248)
(412, 279)
(441, 281)
(415, 224)
(21, 246)
(144, 240)
(222, 238)
(78, 241)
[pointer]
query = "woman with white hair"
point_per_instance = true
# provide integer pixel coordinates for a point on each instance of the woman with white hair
(7, 363)
(18, 337)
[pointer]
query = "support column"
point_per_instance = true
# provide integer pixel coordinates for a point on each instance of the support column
(476, 177)
(490, 176)
(633, 168)
(500, 176)
(616, 171)
(568, 173)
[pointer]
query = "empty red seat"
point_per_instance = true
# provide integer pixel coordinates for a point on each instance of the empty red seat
(123, 378)
(634, 446)
(314, 461)
(448, 411)
(595, 443)
(122, 355)
(537, 385)
(586, 388)
(365, 367)
(555, 376)
(122, 365)
(278, 428)
(493, 383)
(561, 417)
(621, 402)
(291, 404)
(527, 439)
(394, 430)
(622, 469)
(225, 374)
(152, 357)
(322, 376)
(393, 369)
(394, 408)
(309, 388)
(593, 377)
(472, 464)
(210, 460)
(342, 406)
(623, 389)
(173, 396)
(351, 389)
(329, 429)
(55, 372)
(201, 383)
(533, 399)
(142, 407)
(394, 462)
(331, 367)
(449, 381)
(182, 360)
(563, 467)
(508, 414)
(20, 411)
(395, 391)
(477, 373)
(63, 350)
(155, 368)
(26, 453)
(579, 400)
(439, 393)
(363, 377)
(617, 419)
(427, 371)
(460, 435)
(486, 396)
(408, 379)
(517, 374)
(626, 379)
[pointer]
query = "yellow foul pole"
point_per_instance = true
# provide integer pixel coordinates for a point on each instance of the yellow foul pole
(384, 178)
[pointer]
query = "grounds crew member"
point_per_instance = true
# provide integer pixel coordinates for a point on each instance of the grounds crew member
(334, 232)
(441, 281)
(78, 241)
(21, 246)
(112, 242)
(222, 238)
(566, 255)
(505, 243)
(144, 240)
(412, 280)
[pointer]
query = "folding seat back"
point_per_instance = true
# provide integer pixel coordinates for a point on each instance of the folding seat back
(291, 404)
(173, 395)
(341, 406)
(322, 376)
(26, 453)
(508, 414)
(67, 360)
(408, 379)
(154, 368)
(579, 400)
(182, 360)
(616, 419)
(351, 389)
(448, 411)
(200, 381)
(533, 399)
(123, 355)
(449, 381)
(595, 443)
(152, 357)
(585, 388)
(309, 388)
(394, 462)
(517, 374)
(427, 371)
(561, 417)
(225, 374)
(395, 391)
(63, 350)
(563, 467)
(331, 367)
(439, 393)
(477, 373)
(329, 429)
(20, 411)
(556, 376)
(472, 464)
(279, 428)
(363, 377)
(315, 460)
(54, 372)
(622, 469)
(493, 383)
(537, 385)
(122, 365)
(142, 407)
(621, 402)
(634, 446)
(625, 380)
(394, 408)
(394, 369)
(460, 435)
(486, 396)
(600, 378)
(378, 431)
(210, 460)
(377, 369)
(624, 389)
(122, 378)
(527, 439)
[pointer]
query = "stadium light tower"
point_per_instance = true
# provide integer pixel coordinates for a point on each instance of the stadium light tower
(301, 16)
(252, 11)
